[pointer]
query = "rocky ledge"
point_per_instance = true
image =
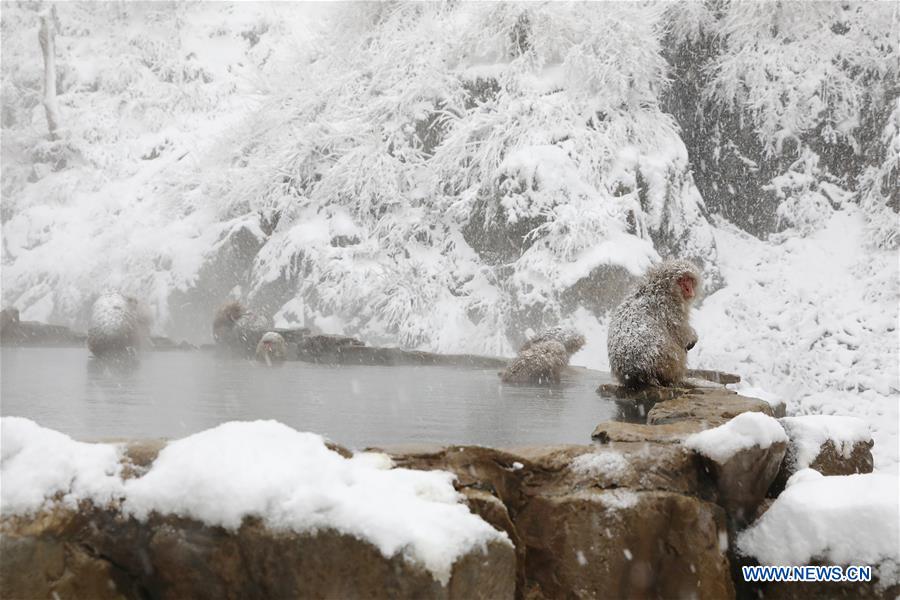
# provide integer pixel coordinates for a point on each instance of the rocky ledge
(303, 345)
(643, 510)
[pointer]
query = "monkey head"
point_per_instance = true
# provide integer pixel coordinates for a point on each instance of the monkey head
(680, 278)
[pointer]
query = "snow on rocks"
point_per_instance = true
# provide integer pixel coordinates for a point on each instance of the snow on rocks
(288, 479)
(600, 463)
(747, 430)
(38, 464)
(743, 457)
(832, 445)
(844, 520)
(810, 432)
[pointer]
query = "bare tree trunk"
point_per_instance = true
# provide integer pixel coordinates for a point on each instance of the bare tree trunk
(48, 48)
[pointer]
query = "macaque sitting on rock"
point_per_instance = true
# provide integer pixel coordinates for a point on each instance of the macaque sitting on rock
(542, 358)
(649, 333)
(238, 329)
(118, 326)
(271, 349)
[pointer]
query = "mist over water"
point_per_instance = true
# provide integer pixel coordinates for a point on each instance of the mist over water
(174, 394)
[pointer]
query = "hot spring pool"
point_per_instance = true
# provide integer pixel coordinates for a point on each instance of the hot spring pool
(174, 394)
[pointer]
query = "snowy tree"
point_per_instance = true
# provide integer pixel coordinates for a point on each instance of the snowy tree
(784, 105)
(488, 166)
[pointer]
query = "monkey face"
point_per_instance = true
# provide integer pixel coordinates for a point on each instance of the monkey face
(686, 283)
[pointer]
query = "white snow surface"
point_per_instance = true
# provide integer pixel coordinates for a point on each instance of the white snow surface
(845, 520)
(37, 464)
(809, 433)
(289, 479)
(600, 463)
(813, 321)
(744, 431)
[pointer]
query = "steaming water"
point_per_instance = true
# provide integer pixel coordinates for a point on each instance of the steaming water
(173, 394)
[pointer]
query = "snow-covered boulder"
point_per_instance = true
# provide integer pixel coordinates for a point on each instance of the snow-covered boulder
(743, 456)
(830, 444)
(246, 509)
(838, 520)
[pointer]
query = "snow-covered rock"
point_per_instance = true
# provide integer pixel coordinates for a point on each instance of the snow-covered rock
(289, 480)
(840, 520)
(830, 444)
(743, 456)
(745, 431)
(809, 433)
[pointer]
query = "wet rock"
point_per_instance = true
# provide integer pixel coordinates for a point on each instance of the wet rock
(744, 479)
(646, 395)
(713, 376)
(712, 406)
(324, 348)
(9, 318)
(832, 445)
(350, 351)
(561, 506)
(493, 511)
(632, 465)
(34, 567)
(31, 333)
(625, 544)
(293, 335)
(169, 557)
(138, 456)
(498, 472)
(667, 433)
(633, 405)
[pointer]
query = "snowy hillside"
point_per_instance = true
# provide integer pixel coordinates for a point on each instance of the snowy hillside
(453, 177)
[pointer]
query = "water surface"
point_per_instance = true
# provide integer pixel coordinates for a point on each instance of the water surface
(174, 394)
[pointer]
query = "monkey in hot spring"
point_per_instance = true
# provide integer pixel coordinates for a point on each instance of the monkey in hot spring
(542, 358)
(650, 333)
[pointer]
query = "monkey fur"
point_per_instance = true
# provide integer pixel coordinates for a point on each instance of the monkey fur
(541, 362)
(650, 333)
(238, 329)
(571, 339)
(118, 327)
(542, 358)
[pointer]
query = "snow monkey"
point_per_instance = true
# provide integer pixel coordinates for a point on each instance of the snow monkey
(271, 349)
(649, 333)
(571, 339)
(543, 357)
(541, 362)
(118, 326)
(238, 329)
